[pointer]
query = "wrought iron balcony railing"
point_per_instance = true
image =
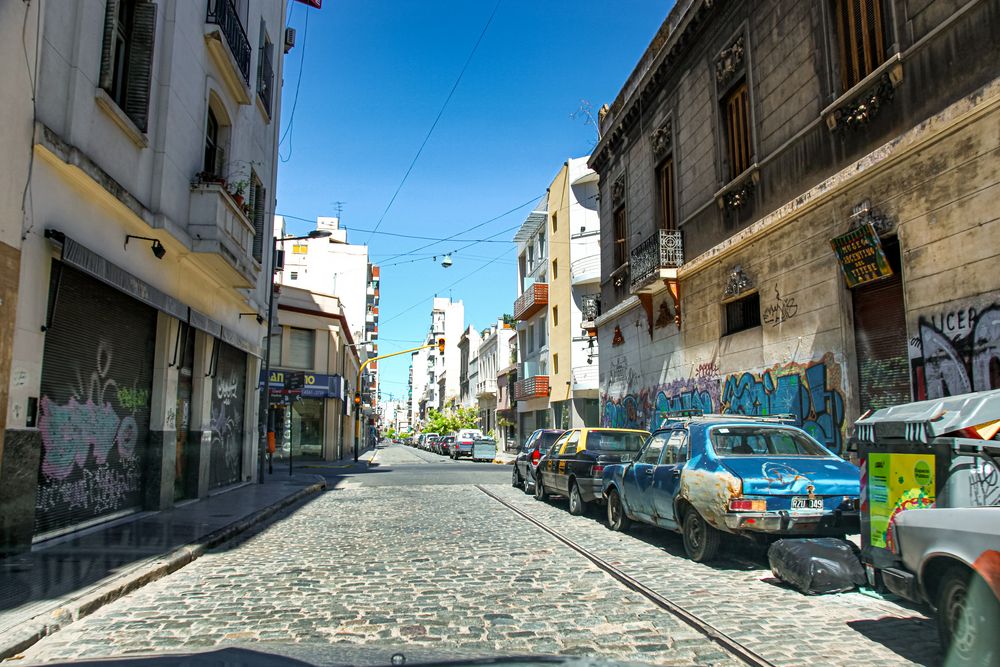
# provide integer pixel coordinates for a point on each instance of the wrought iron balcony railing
(590, 307)
(663, 250)
(223, 14)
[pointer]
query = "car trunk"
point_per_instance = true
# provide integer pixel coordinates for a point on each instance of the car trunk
(792, 476)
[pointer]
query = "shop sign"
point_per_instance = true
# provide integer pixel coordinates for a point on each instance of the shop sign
(861, 256)
(306, 385)
(897, 482)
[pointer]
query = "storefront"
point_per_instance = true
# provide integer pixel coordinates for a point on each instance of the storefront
(229, 373)
(301, 404)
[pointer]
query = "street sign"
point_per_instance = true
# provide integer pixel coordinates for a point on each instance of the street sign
(294, 380)
(861, 256)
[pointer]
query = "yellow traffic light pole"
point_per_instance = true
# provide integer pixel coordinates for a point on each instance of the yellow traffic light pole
(357, 391)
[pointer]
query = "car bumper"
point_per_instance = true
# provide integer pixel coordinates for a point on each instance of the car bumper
(784, 522)
(463, 451)
(591, 489)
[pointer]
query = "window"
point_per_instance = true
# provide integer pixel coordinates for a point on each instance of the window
(764, 441)
(651, 454)
(541, 332)
(555, 316)
(530, 338)
(676, 448)
(861, 38)
(555, 269)
(621, 246)
(665, 185)
(256, 209)
(737, 115)
(214, 152)
(300, 249)
(555, 364)
(571, 443)
(541, 245)
(615, 441)
(743, 314)
(127, 56)
(555, 223)
(265, 70)
(294, 275)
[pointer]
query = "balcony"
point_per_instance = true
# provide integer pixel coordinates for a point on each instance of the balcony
(229, 47)
(533, 300)
(223, 235)
(486, 388)
(590, 307)
(533, 387)
(655, 260)
(370, 317)
(585, 270)
(585, 378)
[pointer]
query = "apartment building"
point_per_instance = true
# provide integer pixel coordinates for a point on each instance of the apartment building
(143, 277)
(494, 355)
(797, 212)
(448, 322)
(531, 312)
(468, 364)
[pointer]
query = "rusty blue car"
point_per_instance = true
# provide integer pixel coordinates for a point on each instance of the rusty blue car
(754, 477)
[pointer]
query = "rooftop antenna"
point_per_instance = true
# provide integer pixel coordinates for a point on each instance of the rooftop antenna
(339, 207)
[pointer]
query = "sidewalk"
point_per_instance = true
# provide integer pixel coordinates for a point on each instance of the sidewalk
(62, 581)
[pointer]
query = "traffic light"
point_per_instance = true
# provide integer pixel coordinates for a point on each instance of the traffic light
(357, 398)
(441, 345)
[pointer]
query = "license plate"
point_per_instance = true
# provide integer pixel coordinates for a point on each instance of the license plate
(807, 503)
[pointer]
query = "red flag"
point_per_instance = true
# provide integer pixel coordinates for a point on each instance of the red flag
(318, 4)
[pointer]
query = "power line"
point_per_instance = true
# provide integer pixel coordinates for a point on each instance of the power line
(440, 113)
(295, 98)
(405, 236)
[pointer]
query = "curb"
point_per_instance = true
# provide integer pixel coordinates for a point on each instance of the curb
(49, 622)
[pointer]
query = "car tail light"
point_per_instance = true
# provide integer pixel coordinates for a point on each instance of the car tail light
(535, 455)
(597, 470)
(747, 505)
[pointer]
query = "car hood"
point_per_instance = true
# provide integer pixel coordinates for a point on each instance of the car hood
(781, 476)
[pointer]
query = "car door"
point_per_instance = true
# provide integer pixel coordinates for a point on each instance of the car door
(547, 468)
(640, 494)
(667, 477)
(567, 457)
(523, 461)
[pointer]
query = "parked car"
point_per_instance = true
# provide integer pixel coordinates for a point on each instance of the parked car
(447, 445)
(747, 476)
(430, 444)
(577, 469)
(464, 441)
(530, 454)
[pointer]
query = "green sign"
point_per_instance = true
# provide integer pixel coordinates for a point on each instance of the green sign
(861, 256)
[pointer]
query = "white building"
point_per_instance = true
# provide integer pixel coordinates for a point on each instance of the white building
(494, 354)
(447, 321)
(143, 267)
(468, 350)
(417, 385)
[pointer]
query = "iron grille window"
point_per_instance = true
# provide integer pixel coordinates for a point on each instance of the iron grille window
(737, 115)
(743, 314)
(861, 37)
(257, 201)
(621, 238)
(665, 181)
(127, 56)
(265, 70)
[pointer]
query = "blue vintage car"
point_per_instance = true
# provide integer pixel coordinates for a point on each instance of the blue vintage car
(752, 477)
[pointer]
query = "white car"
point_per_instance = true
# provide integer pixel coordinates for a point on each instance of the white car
(464, 441)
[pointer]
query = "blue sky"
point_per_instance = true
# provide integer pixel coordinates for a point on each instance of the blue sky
(374, 75)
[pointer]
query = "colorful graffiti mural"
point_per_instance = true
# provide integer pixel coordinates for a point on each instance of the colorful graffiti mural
(957, 352)
(812, 393)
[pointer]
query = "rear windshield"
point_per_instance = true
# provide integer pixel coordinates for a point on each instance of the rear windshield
(615, 442)
(545, 440)
(762, 441)
(449, 438)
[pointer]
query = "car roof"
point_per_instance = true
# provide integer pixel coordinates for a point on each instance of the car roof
(603, 429)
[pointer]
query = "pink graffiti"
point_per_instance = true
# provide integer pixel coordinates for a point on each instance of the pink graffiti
(64, 428)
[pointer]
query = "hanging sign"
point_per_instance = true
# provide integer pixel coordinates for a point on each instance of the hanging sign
(861, 256)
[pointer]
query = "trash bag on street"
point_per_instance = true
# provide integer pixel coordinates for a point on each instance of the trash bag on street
(817, 565)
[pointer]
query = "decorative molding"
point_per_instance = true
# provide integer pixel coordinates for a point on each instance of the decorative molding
(863, 109)
(618, 338)
(661, 139)
(618, 191)
(729, 61)
(864, 213)
(737, 283)
(739, 197)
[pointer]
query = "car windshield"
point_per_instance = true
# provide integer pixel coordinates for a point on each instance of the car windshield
(763, 441)
(615, 441)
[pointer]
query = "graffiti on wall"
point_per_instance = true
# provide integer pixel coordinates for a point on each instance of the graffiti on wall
(781, 310)
(956, 352)
(811, 393)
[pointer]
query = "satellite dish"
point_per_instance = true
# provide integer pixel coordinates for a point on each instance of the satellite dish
(446, 262)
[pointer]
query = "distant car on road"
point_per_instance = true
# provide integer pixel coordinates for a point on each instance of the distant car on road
(447, 445)
(747, 476)
(464, 441)
(530, 454)
(577, 469)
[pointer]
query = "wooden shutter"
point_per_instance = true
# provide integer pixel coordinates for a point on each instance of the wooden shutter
(140, 69)
(738, 131)
(105, 80)
(666, 173)
(259, 197)
(862, 39)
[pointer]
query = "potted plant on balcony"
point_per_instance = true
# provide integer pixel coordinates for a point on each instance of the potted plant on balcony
(239, 179)
(508, 321)
(208, 178)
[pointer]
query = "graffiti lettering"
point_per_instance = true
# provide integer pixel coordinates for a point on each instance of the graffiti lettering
(18, 377)
(780, 311)
(969, 361)
(648, 409)
(99, 489)
(133, 399)
(707, 371)
(226, 390)
(984, 484)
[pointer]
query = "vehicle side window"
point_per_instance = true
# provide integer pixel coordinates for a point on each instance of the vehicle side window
(676, 448)
(569, 447)
(557, 445)
(651, 454)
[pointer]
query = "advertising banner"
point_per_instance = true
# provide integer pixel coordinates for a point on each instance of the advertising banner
(897, 482)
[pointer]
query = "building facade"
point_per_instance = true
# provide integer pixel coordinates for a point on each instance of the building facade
(143, 270)
(531, 391)
(468, 364)
(797, 217)
(494, 355)
(447, 321)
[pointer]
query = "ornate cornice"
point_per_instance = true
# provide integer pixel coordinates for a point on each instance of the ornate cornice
(661, 139)
(729, 61)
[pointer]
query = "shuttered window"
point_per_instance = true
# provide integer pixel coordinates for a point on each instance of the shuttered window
(621, 246)
(737, 115)
(861, 38)
(665, 183)
(301, 348)
(265, 70)
(214, 153)
(257, 202)
(743, 314)
(127, 56)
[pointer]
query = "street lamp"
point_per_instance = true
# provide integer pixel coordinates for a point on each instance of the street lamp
(265, 394)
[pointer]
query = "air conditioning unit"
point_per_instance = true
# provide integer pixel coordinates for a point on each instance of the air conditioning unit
(289, 39)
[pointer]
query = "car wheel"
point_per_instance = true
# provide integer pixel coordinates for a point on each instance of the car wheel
(515, 478)
(617, 520)
(577, 505)
(967, 613)
(540, 493)
(529, 482)
(701, 541)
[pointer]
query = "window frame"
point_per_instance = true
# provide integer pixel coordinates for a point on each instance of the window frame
(852, 71)
(737, 132)
(666, 193)
(728, 327)
(641, 456)
(619, 236)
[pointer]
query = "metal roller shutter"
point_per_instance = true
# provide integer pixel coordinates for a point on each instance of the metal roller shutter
(228, 401)
(96, 383)
(880, 338)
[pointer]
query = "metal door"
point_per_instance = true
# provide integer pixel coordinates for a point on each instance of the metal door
(229, 383)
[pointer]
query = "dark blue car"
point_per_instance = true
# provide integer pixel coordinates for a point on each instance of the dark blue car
(751, 477)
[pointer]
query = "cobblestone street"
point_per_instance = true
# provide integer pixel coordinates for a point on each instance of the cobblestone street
(416, 567)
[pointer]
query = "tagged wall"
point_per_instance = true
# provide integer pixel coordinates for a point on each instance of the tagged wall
(812, 392)
(956, 351)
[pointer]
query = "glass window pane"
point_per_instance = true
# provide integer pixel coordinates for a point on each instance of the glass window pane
(301, 348)
(652, 452)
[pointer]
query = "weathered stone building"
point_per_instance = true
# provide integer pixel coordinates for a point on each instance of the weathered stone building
(749, 138)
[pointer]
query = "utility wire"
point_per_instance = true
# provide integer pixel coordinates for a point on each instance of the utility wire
(405, 236)
(295, 98)
(440, 113)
